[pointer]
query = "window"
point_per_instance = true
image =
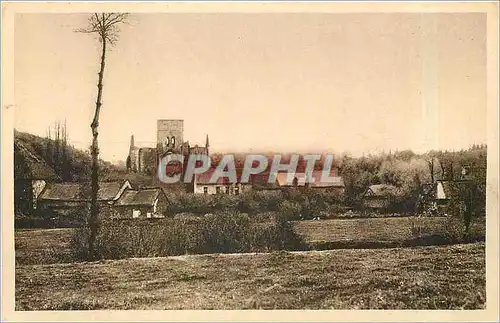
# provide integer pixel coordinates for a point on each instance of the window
(236, 191)
(167, 143)
(136, 213)
(228, 190)
(217, 189)
(148, 215)
(205, 190)
(173, 141)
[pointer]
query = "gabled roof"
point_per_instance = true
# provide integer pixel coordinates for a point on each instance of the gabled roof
(108, 191)
(261, 181)
(315, 180)
(144, 197)
(382, 190)
(62, 192)
(205, 178)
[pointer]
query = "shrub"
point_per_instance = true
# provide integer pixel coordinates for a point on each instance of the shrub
(454, 229)
(223, 232)
(290, 210)
(268, 200)
(312, 203)
(195, 203)
(285, 236)
(248, 205)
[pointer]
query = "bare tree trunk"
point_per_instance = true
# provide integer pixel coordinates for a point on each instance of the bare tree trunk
(94, 206)
(443, 170)
(431, 169)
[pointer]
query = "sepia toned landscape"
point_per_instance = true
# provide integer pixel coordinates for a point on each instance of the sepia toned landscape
(322, 161)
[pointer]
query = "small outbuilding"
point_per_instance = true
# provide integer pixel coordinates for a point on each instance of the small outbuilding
(380, 197)
(31, 174)
(144, 203)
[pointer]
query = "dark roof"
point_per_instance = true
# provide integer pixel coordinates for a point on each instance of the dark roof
(35, 166)
(62, 192)
(261, 182)
(77, 191)
(316, 175)
(146, 197)
(382, 190)
(205, 178)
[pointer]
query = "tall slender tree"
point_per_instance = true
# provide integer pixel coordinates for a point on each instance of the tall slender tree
(106, 27)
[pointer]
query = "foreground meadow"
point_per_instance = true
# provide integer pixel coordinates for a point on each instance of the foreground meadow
(46, 246)
(435, 277)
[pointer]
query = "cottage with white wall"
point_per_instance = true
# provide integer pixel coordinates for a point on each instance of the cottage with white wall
(202, 184)
(144, 203)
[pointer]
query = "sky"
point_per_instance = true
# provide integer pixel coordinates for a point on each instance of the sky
(322, 82)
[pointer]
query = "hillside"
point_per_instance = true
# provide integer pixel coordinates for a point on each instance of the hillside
(56, 161)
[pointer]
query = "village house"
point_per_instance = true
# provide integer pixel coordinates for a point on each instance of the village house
(380, 197)
(66, 197)
(439, 194)
(31, 175)
(116, 200)
(314, 181)
(202, 184)
(144, 203)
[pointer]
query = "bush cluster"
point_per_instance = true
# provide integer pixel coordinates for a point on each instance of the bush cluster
(294, 203)
(225, 232)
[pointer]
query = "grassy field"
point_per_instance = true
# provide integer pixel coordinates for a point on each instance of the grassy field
(370, 229)
(43, 246)
(437, 277)
(52, 245)
(382, 232)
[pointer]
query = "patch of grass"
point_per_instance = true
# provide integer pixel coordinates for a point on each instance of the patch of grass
(445, 277)
(382, 231)
(53, 246)
(43, 246)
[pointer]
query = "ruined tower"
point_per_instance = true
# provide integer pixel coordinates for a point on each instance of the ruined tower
(170, 135)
